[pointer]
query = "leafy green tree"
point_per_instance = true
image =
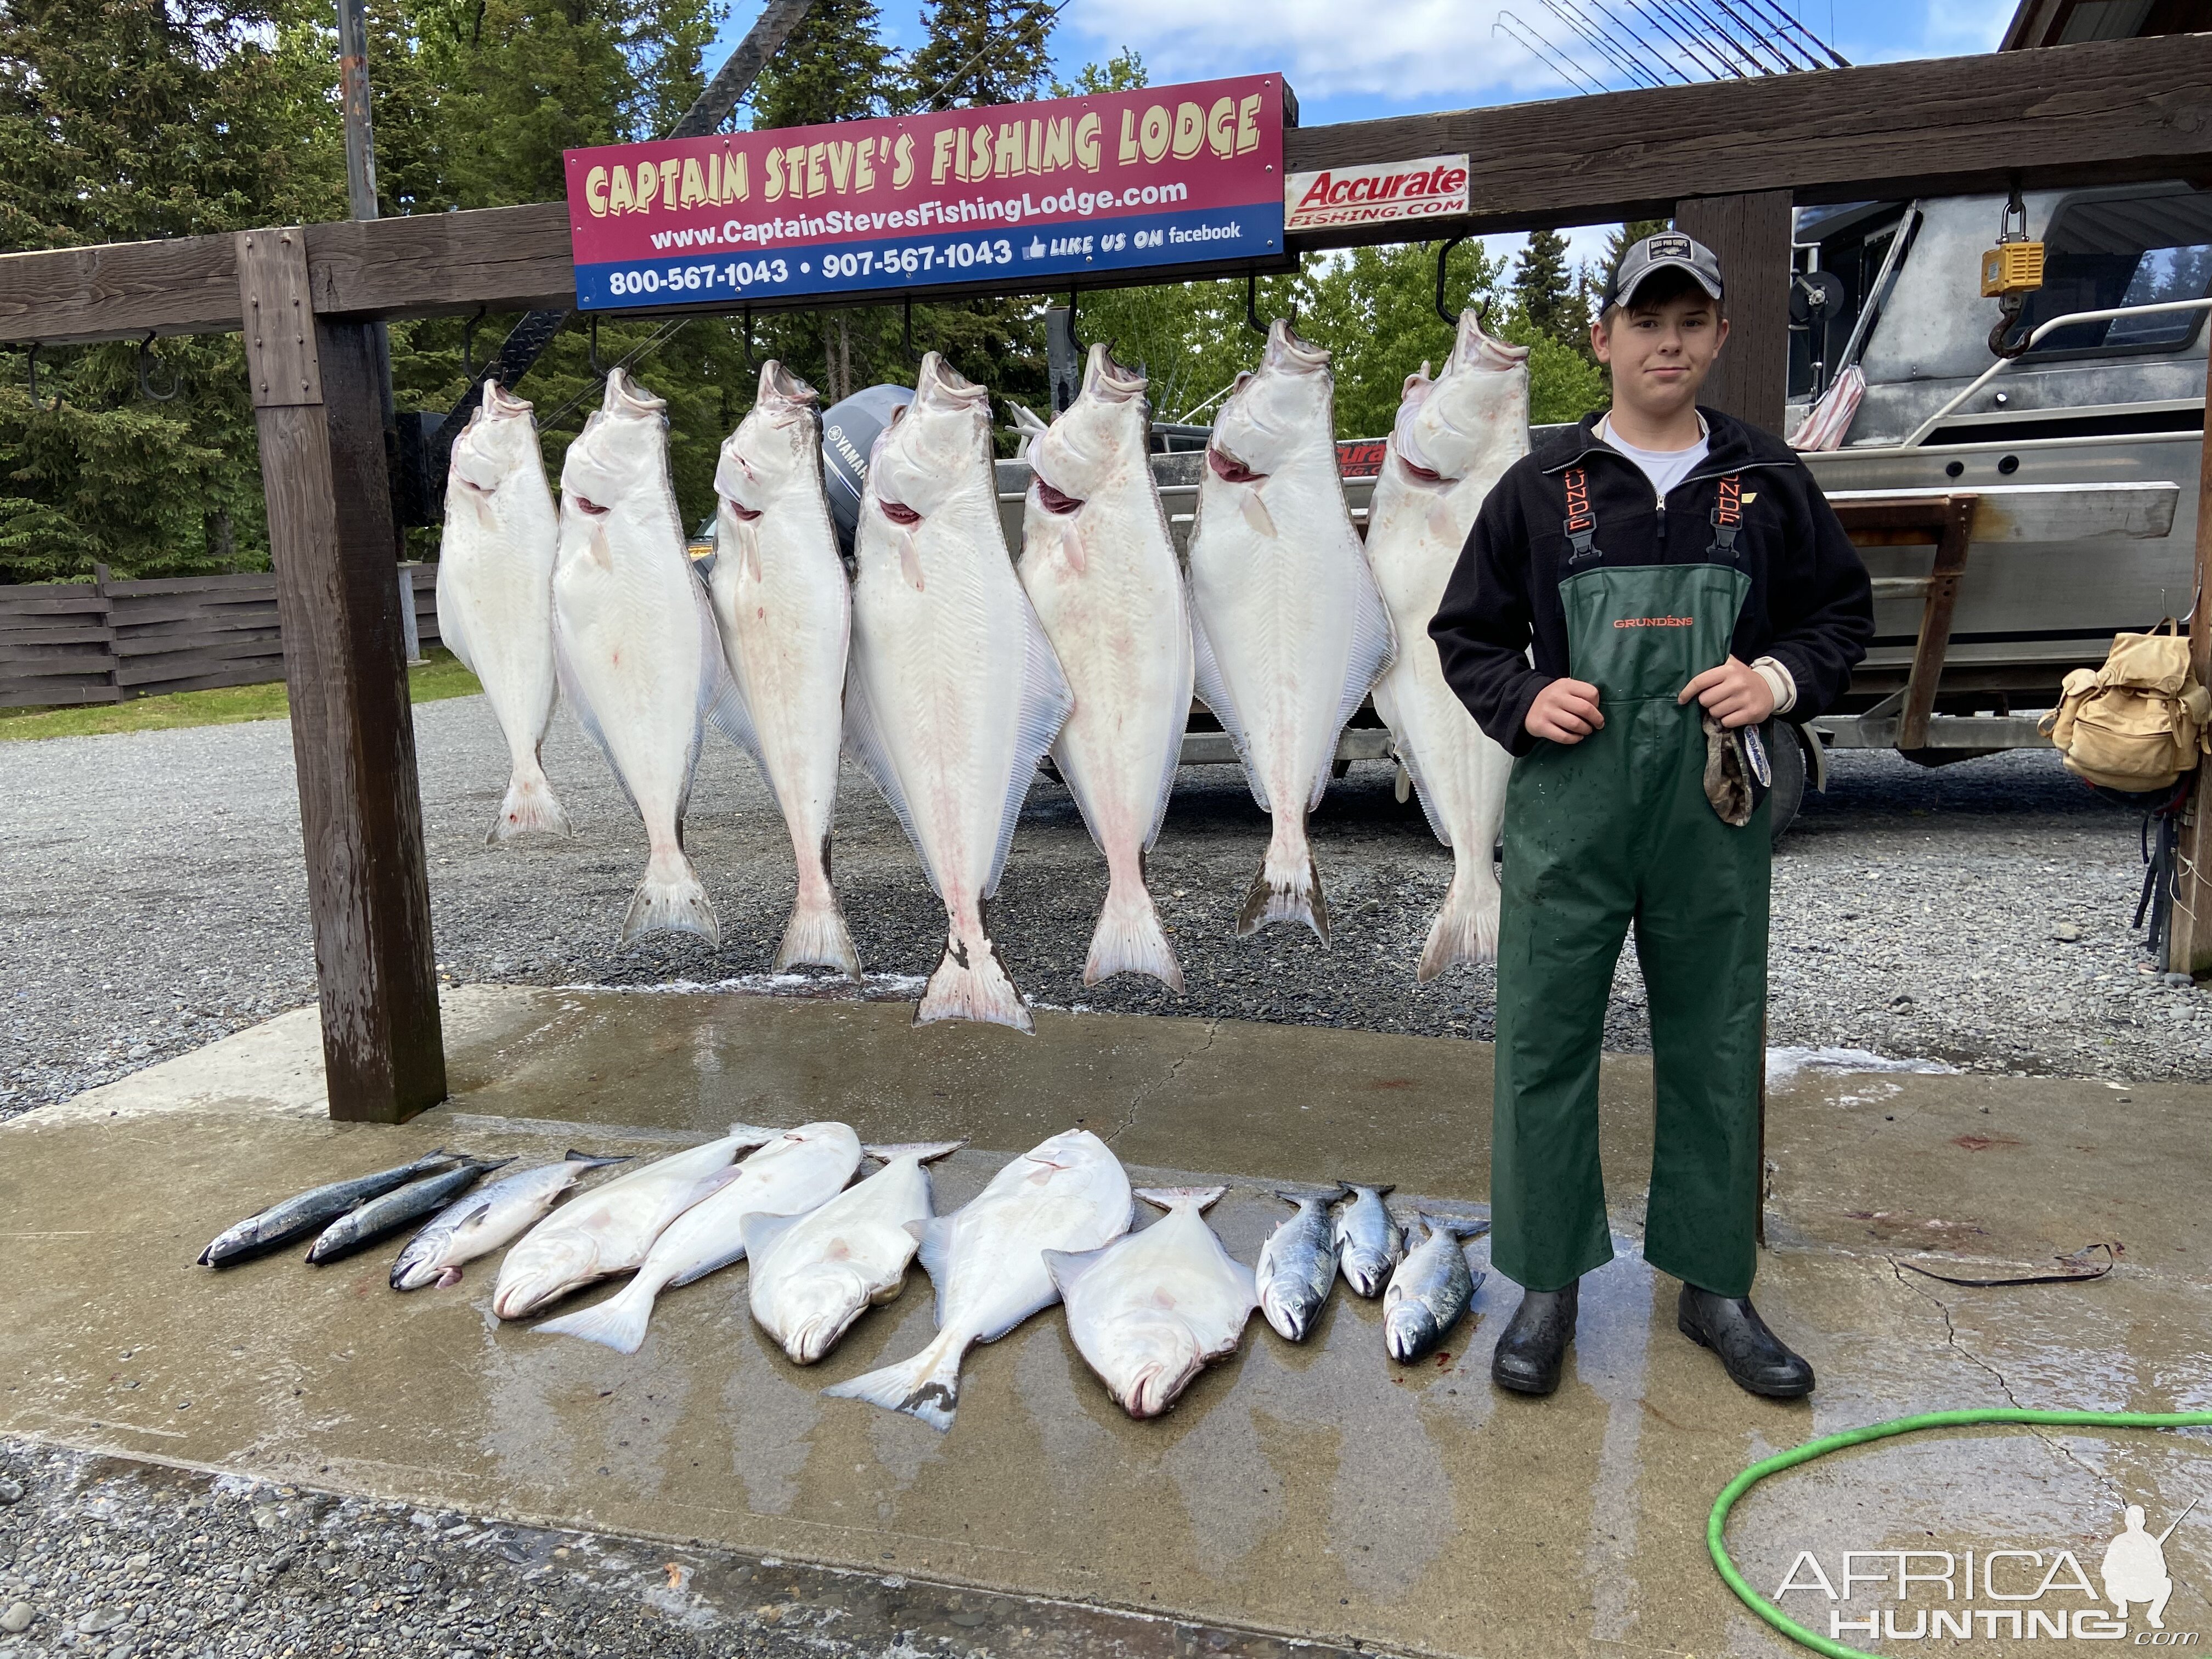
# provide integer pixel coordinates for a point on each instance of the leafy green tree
(1124, 71)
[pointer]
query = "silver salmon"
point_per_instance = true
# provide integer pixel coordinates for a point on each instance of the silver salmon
(477, 1224)
(1369, 1242)
(280, 1224)
(1430, 1290)
(394, 1210)
(1296, 1267)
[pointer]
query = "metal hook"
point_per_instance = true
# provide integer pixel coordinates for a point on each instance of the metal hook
(913, 356)
(591, 352)
(145, 377)
(752, 362)
(31, 362)
(1073, 338)
(1252, 305)
(469, 345)
(1442, 254)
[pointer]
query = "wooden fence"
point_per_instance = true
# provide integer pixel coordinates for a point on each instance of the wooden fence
(104, 642)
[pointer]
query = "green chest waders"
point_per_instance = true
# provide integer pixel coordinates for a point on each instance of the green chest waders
(1614, 830)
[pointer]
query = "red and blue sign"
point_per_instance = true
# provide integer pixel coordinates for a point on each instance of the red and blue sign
(1019, 197)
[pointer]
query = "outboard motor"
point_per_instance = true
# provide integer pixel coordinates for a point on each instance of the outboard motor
(849, 431)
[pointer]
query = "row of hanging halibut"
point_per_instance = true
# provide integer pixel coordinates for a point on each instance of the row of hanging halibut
(949, 670)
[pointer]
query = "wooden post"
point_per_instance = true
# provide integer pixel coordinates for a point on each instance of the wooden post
(1952, 541)
(331, 539)
(2188, 932)
(1750, 235)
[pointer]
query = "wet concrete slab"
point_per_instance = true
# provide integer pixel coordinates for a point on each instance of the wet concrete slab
(1316, 1490)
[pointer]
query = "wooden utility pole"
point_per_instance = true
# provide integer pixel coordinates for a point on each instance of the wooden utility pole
(317, 408)
(1750, 236)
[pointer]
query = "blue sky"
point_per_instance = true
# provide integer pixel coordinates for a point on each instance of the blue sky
(1351, 61)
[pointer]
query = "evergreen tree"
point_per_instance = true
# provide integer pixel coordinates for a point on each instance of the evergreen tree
(833, 67)
(981, 52)
(1624, 237)
(126, 120)
(1124, 71)
(1543, 290)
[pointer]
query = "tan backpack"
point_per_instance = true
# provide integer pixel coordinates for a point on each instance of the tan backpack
(2140, 721)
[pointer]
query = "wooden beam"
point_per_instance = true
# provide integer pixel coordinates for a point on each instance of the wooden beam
(2105, 111)
(2100, 112)
(334, 547)
(1750, 236)
(2189, 930)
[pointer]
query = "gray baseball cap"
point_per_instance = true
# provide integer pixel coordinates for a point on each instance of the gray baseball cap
(1668, 249)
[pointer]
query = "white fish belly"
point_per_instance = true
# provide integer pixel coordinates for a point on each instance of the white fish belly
(944, 671)
(1414, 544)
(1120, 627)
(1279, 613)
(632, 638)
(788, 629)
(1160, 1303)
(995, 1276)
(495, 593)
(772, 1183)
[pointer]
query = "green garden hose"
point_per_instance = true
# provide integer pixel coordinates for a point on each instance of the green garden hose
(1717, 1523)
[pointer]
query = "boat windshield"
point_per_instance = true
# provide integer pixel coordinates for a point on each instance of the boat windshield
(2125, 248)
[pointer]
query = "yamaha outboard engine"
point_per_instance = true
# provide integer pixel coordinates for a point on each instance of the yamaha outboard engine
(849, 431)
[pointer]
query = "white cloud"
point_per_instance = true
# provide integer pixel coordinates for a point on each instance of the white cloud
(1398, 49)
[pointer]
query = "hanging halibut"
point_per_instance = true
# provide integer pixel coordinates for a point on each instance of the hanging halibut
(495, 593)
(634, 637)
(954, 693)
(1454, 437)
(785, 608)
(1153, 1309)
(1100, 568)
(1291, 632)
(987, 1262)
(813, 1274)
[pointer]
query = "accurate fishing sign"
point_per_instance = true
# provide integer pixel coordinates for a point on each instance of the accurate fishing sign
(1021, 197)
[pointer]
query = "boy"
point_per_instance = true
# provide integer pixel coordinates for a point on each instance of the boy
(1682, 580)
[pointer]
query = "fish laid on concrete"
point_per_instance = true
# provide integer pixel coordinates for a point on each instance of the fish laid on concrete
(1296, 1267)
(784, 604)
(1453, 439)
(987, 1260)
(280, 1224)
(813, 1274)
(798, 1170)
(1153, 1309)
(477, 1223)
(495, 593)
(1431, 1289)
(394, 1210)
(1100, 566)
(1291, 631)
(1369, 1242)
(609, 1229)
(954, 694)
(634, 636)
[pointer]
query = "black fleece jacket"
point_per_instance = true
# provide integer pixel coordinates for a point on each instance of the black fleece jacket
(1810, 606)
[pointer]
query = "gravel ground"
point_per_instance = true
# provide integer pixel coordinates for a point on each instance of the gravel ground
(154, 899)
(99, 1557)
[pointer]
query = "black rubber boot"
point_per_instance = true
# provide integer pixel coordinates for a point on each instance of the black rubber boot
(1534, 1344)
(1755, 1359)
